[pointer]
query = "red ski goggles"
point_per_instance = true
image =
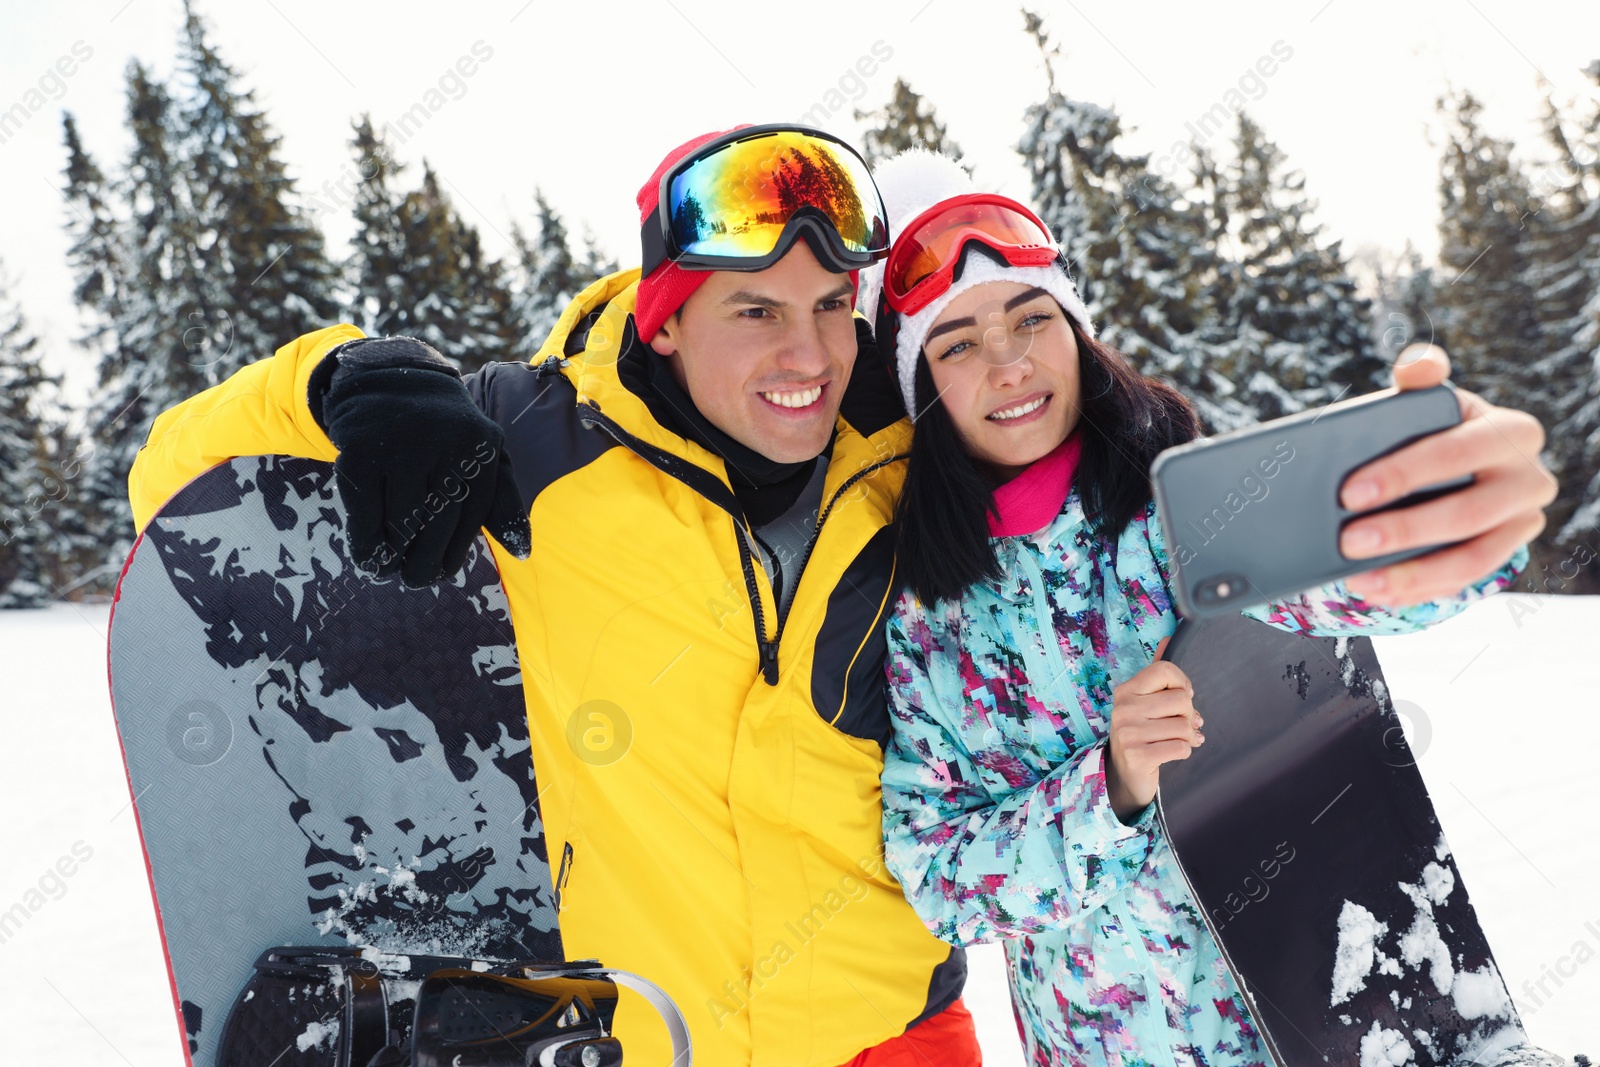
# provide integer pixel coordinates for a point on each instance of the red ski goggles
(923, 263)
(739, 203)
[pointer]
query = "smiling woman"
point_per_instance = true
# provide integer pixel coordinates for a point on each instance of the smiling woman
(1033, 710)
(1012, 371)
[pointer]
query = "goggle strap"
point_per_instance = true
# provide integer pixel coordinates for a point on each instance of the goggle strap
(819, 235)
(653, 244)
(886, 332)
(983, 248)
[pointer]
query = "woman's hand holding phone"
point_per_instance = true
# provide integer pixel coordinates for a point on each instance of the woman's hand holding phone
(1504, 507)
(1153, 721)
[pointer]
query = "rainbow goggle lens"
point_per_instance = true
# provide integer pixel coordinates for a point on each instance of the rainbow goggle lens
(741, 201)
(923, 262)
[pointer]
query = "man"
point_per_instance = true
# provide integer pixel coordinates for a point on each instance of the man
(697, 556)
(709, 476)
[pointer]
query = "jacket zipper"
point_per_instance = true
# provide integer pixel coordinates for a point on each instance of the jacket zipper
(826, 511)
(768, 650)
(564, 871)
(591, 415)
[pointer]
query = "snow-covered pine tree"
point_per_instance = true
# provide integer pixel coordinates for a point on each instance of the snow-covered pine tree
(465, 305)
(906, 120)
(420, 270)
(195, 260)
(1292, 332)
(26, 490)
(98, 257)
(1403, 302)
(266, 278)
(549, 273)
(1139, 251)
(548, 277)
(77, 561)
(95, 255)
(1564, 271)
(597, 262)
(377, 269)
(1487, 301)
(137, 284)
(1578, 539)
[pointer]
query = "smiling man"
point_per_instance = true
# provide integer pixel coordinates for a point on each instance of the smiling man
(689, 491)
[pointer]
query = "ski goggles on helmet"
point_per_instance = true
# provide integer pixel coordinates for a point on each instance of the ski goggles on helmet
(927, 255)
(740, 202)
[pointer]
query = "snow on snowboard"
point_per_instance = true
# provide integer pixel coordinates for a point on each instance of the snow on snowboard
(341, 766)
(1306, 835)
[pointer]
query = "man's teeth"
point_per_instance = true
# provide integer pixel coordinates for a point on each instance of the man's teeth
(1020, 409)
(804, 398)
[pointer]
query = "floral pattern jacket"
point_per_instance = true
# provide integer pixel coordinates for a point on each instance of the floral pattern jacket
(996, 816)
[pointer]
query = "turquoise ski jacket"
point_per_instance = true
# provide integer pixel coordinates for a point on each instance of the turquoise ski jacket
(996, 816)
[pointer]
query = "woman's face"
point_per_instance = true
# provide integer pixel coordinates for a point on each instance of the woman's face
(1004, 362)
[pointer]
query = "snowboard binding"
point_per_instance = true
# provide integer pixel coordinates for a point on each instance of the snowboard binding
(322, 1006)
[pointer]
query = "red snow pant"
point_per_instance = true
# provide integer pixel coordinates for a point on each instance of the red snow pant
(949, 1039)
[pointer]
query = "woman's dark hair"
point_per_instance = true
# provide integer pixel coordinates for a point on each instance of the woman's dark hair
(942, 527)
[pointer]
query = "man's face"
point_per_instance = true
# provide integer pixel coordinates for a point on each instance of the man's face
(766, 355)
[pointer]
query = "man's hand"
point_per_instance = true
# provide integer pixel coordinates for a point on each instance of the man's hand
(1153, 721)
(1502, 509)
(420, 469)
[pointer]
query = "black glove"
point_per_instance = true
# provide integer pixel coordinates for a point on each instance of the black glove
(420, 468)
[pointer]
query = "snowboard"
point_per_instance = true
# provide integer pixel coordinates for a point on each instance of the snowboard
(1309, 843)
(334, 790)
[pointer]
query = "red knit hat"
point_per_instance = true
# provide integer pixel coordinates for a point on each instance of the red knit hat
(669, 285)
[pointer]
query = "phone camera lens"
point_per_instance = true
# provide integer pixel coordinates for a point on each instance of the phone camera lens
(1217, 590)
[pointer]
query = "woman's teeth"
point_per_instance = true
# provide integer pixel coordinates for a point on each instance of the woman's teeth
(804, 398)
(1020, 410)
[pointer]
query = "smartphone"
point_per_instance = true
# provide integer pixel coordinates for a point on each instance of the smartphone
(1253, 515)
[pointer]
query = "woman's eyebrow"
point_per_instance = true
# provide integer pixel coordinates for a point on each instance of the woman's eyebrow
(946, 327)
(1025, 296)
(1015, 302)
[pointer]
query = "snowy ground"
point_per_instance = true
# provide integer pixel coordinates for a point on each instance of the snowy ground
(1508, 730)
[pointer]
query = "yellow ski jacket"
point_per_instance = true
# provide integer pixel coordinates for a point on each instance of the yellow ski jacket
(709, 786)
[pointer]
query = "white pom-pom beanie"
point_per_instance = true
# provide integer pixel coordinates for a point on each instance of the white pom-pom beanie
(911, 183)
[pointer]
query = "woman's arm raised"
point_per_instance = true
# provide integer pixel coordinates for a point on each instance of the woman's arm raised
(1488, 521)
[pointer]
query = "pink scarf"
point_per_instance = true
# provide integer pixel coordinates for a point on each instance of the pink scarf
(1031, 501)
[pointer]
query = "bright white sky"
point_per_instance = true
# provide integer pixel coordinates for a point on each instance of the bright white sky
(584, 98)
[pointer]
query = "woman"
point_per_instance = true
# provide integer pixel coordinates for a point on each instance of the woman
(1037, 607)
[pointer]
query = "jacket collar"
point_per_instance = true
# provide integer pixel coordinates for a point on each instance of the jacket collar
(1031, 501)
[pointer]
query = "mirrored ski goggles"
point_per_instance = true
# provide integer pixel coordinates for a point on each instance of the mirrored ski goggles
(925, 258)
(740, 201)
